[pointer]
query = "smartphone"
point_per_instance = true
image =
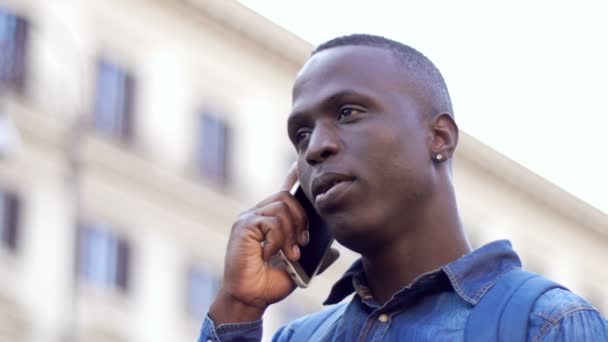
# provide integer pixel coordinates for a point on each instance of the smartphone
(313, 254)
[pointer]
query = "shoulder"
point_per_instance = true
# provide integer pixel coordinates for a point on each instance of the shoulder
(306, 325)
(557, 303)
(559, 313)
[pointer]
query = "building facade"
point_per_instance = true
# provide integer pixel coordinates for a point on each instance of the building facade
(139, 129)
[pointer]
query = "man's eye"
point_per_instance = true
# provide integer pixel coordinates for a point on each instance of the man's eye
(346, 112)
(301, 135)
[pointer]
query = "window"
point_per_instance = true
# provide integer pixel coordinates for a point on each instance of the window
(9, 219)
(113, 112)
(213, 149)
(13, 41)
(103, 257)
(201, 288)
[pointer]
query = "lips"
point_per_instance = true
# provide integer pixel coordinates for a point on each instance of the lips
(326, 181)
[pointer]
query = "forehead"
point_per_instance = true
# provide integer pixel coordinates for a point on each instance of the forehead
(368, 70)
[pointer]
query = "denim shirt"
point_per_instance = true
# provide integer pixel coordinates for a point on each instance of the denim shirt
(434, 307)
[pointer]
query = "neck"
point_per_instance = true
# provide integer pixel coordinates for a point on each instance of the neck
(434, 238)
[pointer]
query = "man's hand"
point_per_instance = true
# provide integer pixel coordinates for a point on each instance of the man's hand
(251, 283)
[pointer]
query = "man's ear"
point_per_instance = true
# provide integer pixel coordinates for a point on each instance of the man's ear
(444, 134)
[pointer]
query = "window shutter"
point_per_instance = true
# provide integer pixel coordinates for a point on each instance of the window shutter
(213, 149)
(9, 216)
(21, 34)
(123, 265)
(13, 43)
(114, 101)
(128, 107)
(12, 220)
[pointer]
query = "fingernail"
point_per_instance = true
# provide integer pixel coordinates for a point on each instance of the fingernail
(296, 251)
(305, 237)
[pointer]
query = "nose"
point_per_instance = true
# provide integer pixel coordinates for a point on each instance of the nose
(323, 144)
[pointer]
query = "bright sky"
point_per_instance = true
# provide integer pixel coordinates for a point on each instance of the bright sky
(528, 78)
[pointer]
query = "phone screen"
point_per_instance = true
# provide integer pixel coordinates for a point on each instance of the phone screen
(321, 239)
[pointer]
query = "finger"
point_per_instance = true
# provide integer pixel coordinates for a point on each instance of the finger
(274, 238)
(292, 177)
(272, 234)
(332, 255)
(298, 215)
(296, 210)
(281, 210)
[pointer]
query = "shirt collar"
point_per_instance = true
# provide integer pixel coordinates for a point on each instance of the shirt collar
(473, 274)
(470, 275)
(344, 286)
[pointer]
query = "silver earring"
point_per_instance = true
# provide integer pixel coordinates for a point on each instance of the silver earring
(438, 157)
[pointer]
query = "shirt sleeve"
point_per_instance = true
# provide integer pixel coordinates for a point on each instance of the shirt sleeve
(582, 325)
(228, 332)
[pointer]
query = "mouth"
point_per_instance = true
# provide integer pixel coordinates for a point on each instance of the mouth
(327, 181)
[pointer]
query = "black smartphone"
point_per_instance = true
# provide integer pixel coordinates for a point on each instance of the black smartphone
(313, 254)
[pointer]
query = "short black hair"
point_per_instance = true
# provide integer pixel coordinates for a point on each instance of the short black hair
(417, 64)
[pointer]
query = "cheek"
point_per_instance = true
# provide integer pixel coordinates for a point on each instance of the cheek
(302, 170)
(388, 155)
(303, 173)
(397, 166)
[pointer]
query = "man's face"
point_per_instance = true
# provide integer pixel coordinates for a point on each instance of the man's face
(363, 144)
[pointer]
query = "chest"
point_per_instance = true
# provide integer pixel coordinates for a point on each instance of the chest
(437, 317)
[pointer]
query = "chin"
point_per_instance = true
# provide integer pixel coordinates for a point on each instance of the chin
(349, 231)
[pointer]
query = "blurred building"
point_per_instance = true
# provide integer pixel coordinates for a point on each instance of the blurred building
(133, 132)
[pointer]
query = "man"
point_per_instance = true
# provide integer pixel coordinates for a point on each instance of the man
(372, 117)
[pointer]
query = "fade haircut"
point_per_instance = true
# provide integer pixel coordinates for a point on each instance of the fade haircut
(417, 66)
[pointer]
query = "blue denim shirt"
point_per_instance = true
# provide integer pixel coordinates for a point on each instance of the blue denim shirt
(434, 307)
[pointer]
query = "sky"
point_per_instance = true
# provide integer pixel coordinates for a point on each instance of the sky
(527, 78)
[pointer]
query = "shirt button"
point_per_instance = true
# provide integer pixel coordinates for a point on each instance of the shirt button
(383, 318)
